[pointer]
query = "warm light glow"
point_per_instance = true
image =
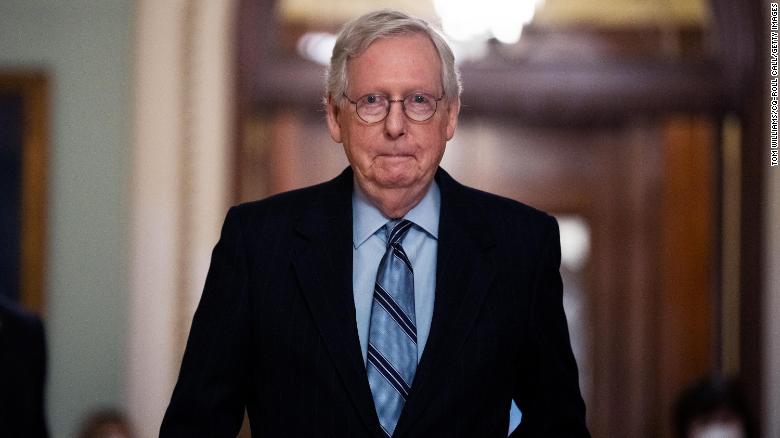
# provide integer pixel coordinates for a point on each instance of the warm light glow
(464, 20)
(317, 46)
(575, 242)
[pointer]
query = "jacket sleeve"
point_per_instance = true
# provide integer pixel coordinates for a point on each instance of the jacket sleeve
(548, 393)
(210, 394)
(40, 424)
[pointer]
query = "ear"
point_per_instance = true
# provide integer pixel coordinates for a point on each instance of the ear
(453, 109)
(334, 127)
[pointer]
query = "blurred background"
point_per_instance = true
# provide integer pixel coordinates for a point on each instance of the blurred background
(131, 126)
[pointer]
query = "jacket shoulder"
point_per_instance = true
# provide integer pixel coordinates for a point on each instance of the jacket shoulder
(292, 205)
(509, 215)
(14, 317)
(291, 201)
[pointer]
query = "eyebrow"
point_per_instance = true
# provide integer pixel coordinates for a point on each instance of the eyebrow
(379, 93)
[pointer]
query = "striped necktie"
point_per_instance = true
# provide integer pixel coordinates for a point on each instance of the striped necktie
(392, 337)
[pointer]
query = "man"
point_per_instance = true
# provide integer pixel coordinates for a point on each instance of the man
(390, 301)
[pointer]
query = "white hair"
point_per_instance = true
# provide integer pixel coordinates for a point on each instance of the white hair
(358, 34)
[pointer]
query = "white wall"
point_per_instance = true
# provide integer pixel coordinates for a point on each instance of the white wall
(140, 112)
(182, 138)
(85, 46)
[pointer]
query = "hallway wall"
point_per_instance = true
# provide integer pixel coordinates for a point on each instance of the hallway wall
(84, 46)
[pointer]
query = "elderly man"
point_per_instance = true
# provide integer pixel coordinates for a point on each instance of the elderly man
(390, 301)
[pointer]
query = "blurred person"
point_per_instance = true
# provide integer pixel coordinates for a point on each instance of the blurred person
(22, 372)
(391, 300)
(107, 423)
(713, 408)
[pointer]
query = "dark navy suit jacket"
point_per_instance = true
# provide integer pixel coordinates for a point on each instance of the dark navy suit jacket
(275, 330)
(22, 373)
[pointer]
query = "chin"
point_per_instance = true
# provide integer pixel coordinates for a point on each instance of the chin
(396, 180)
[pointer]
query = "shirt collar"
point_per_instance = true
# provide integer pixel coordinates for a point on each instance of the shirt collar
(367, 219)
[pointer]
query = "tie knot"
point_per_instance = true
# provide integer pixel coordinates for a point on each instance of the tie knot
(396, 230)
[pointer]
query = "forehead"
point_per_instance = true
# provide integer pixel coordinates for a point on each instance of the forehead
(396, 64)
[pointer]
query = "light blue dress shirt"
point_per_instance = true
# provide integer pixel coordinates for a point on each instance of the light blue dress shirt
(368, 247)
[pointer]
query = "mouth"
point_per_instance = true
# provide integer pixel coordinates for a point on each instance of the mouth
(395, 160)
(396, 156)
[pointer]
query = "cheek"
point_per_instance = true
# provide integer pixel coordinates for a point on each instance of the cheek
(359, 149)
(436, 155)
(435, 147)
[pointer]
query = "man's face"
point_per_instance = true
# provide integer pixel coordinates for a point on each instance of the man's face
(396, 153)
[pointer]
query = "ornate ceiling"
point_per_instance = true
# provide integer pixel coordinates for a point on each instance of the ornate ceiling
(600, 13)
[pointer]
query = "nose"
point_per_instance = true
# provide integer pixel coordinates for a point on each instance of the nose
(395, 122)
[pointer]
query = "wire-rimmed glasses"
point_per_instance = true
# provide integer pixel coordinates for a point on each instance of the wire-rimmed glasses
(373, 108)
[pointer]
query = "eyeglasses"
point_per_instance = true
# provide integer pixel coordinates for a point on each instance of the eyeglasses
(373, 108)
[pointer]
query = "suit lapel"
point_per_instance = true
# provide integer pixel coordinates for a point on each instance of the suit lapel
(323, 265)
(464, 272)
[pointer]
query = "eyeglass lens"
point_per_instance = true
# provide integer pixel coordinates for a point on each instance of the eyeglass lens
(373, 108)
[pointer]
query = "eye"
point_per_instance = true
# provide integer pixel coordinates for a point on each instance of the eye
(420, 98)
(372, 99)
